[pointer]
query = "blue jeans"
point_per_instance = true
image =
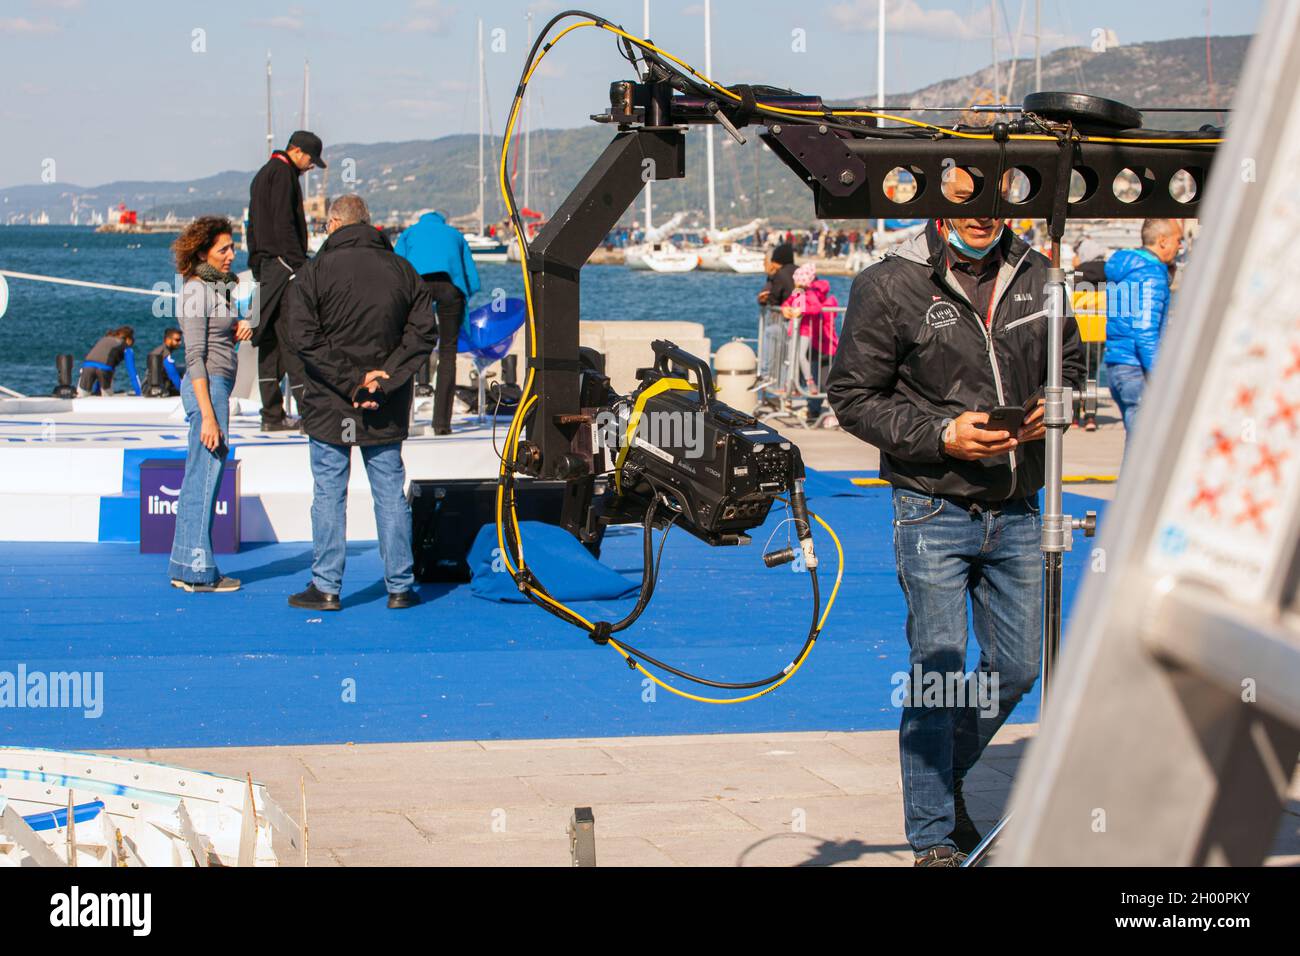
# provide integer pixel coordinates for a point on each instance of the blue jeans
(330, 467)
(192, 560)
(1127, 382)
(945, 556)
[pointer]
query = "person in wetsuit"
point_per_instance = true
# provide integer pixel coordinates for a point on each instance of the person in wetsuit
(115, 347)
(170, 343)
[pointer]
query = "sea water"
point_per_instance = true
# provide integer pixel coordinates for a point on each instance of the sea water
(44, 320)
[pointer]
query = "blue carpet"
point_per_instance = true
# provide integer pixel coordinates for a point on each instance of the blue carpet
(195, 670)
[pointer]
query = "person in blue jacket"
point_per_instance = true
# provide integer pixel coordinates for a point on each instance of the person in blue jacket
(441, 255)
(1137, 305)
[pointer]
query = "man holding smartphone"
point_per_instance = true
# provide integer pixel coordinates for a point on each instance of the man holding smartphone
(939, 334)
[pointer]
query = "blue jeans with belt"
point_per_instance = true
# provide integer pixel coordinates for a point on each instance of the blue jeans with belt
(192, 559)
(948, 556)
(331, 465)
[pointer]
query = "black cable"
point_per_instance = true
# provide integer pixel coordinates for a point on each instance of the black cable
(748, 685)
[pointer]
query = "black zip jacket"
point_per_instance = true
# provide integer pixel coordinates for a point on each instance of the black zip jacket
(914, 354)
(277, 224)
(355, 307)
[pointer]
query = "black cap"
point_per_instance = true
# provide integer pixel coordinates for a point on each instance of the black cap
(783, 255)
(310, 144)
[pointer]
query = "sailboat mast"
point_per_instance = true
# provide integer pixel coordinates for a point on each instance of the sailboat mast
(708, 130)
(997, 76)
(880, 78)
(528, 128)
(270, 135)
(306, 117)
(1038, 45)
(646, 34)
(482, 231)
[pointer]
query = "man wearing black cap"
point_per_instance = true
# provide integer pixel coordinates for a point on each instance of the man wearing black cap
(277, 247)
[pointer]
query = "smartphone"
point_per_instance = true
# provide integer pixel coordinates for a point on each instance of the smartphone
(1005, 418)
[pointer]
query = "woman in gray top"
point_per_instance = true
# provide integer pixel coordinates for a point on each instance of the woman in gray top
(210, 328)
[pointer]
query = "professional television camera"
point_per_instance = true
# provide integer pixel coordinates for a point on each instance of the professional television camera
(715, 470)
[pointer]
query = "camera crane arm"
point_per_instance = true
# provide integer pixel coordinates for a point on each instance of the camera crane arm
(844, 157)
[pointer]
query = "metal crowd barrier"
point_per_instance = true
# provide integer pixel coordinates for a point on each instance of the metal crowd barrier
(792, 369)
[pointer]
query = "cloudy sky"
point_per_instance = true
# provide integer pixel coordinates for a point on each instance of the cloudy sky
(161, 89)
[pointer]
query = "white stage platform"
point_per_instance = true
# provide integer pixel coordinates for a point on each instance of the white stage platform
(69, 469)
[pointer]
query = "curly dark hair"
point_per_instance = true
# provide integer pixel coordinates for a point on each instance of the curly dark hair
(196, 241)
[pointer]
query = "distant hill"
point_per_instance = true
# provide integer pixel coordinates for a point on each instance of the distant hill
(1164, 73)
(440, 173)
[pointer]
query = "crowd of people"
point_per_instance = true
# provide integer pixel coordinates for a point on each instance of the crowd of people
(819, 241)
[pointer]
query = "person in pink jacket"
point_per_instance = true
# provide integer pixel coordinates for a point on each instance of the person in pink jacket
(815, 338)
(804, 307)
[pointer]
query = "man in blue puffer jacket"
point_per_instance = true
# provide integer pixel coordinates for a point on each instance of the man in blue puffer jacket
(441, 256)
(1137, 304)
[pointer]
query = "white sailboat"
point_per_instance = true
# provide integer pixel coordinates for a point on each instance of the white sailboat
(658, 253)
(726, 253)
(482, 247)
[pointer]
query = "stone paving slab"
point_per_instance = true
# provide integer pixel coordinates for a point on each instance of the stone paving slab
(781, 799)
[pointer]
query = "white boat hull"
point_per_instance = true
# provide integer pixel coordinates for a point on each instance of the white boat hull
(731, 258)
(132, 813)
(661, 257)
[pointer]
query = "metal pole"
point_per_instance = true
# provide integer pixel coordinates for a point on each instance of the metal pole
(270, 136)
(645, 10)
(528, 130)
(997, 76)
(708, 130)
(306, 118)
(1038, 45)
(1056, 525)
(880, 84)
(482, 209)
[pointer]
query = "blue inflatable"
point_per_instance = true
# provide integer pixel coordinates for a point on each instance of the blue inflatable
(570, 571)
(488, 331)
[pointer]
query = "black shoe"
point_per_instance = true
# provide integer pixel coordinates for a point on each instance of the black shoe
(224, 586)
(939, 856)
(280, 425)
(398, 600)
(314, 600)
(441, 431)
(964, 834)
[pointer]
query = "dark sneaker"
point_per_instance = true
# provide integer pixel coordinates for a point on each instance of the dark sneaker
(223, 586)
(280, 425)
(441, 431)
(403, 599)
(940, 856)
(314, 600)
(964, 835)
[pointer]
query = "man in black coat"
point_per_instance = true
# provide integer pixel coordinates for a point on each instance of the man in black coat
(360, 321)
(277, 247)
